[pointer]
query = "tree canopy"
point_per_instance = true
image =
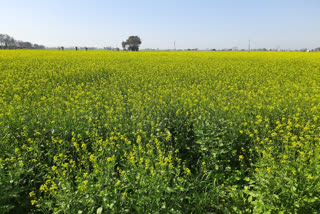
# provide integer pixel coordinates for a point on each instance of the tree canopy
(8, 42)
(132, 43)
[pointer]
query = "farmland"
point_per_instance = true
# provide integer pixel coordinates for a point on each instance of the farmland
(166, 132)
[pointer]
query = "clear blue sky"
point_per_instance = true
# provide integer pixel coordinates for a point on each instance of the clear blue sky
(191, 23)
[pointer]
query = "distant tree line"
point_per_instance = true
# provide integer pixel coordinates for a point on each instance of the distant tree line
(275, 49)
(316, 49)
(8, 42)
(237, 49)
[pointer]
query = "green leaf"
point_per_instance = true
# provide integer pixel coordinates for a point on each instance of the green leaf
(99, 210)
(169, 189)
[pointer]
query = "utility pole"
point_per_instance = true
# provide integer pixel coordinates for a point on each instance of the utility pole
(174, 45)
(249, 47)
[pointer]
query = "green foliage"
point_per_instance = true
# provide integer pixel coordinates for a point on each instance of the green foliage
(132, 43)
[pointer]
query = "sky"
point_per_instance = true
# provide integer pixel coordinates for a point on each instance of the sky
(202, 24)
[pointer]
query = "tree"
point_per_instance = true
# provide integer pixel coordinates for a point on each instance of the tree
(27, 45)
(2, 40)
(132, 43)
(6, 41)
(36, 46)
(317, 49)
(123, 44)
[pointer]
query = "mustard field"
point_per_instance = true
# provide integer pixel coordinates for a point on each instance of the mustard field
(159, 132)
